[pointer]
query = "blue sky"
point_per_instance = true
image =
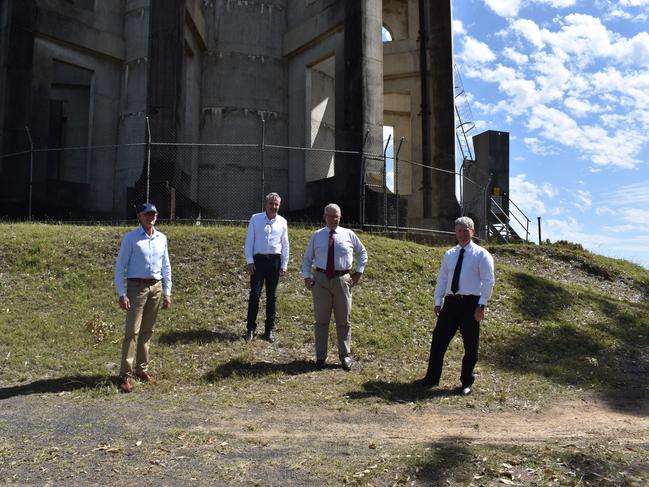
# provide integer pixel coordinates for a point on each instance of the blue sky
(569, 80)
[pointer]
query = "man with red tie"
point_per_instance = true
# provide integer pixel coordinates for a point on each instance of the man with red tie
(332, 249)
(465, 283)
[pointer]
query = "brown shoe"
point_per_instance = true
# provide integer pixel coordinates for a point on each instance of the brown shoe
(144, 376)
(125, 384)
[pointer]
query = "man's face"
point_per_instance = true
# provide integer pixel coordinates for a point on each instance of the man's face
(272, 207)
(463, 233)
(148, 218)
(332, 219)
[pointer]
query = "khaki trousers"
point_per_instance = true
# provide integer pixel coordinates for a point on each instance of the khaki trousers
(333, 294)
(145, 301)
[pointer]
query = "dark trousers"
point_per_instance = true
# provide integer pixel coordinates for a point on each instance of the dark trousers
(266, 271)
(456, 313)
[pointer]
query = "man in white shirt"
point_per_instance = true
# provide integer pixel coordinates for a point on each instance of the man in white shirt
(331, 249)
(144, 260)
(266, 252)
(465, 283)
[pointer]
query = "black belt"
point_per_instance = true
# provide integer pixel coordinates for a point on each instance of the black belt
(143, 281)
(337, 273)
(460, 297)
(267, 256)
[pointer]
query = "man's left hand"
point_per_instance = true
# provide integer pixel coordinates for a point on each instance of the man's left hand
(282, 272)
(166, 302)
(478, 314)
(356, 276)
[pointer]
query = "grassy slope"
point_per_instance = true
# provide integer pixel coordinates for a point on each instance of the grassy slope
(561, 321)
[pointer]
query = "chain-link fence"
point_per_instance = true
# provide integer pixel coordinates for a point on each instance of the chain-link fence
(227, 182)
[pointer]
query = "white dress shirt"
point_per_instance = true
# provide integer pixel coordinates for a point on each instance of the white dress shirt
(145, 257)
(266, 236)
(346, 245)
(476, 276)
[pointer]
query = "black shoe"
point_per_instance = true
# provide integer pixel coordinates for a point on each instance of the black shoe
(426, 383)
(269, 336)
(347, 363)
(250, 335)
(464, 390)
(319, 364)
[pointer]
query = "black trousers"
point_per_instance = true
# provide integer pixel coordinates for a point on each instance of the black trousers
(266, 272)
(457, 312)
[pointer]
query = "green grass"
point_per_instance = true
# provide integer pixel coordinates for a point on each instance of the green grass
(562, 323)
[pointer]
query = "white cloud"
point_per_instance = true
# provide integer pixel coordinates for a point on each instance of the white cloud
(526, 195)
(580, 107)
(549, 190)
(458, 27)
(515, 56)
(476, 52)
(603, 211)
(633, 3)
(584, 199)
(635, 194)
(539, 147)
(504, 8)
(637, 216)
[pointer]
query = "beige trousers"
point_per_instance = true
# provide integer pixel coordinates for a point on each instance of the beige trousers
(333, 294)
(145, 301)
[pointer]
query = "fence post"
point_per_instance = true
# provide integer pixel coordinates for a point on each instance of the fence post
(396, 178)
(486, 205)
(385, 182)
(148, 157)
(261, 154)
(361, 213)
(31, 172)
(539, 219)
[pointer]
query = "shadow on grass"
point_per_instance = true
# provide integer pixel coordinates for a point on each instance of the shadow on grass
(61, 384)
(197, 336)
(399, 391)
(577, 350)
(239, 368)
(540, 298)
(448, 458)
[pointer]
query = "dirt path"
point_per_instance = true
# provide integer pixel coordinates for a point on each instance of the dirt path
(52, 439)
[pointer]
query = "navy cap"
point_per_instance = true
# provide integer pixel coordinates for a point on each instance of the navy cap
(146, 208)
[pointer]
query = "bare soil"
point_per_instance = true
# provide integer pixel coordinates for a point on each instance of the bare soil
(141, 439)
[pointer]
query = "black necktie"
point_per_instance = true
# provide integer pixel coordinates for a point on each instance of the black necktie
(455, 283)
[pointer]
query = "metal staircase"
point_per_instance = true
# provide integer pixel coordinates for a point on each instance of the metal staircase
(500, 221)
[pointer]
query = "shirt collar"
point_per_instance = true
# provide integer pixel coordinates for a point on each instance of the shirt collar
(142, 232)
(466, 247)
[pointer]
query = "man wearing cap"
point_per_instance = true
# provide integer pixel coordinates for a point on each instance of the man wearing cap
(465, 283)
(331, 249)
(144, 260)
(267, 250)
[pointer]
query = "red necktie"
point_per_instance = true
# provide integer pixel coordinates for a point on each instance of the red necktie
(330, 272)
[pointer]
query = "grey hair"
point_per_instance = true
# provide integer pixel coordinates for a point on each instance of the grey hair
(465, 220)
(273, 196)
(332, 206)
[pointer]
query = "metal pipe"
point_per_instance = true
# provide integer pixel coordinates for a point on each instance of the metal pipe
(31, 172)
(148, 157)
(425, 110)
(385, 181)
(539, 221)
(396, 176)
(261, 148)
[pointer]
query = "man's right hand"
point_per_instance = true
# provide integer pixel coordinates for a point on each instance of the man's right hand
(437, 310)
(250, 269)
(124, 303)
(308, 283)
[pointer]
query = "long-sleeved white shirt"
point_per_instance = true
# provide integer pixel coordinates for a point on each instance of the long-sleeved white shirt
(346, 245)
(266, 236)
(476, 276)
(145, 257)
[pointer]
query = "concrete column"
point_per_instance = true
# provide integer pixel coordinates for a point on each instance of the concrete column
(18, 19)
(442, 130)
(361, 105)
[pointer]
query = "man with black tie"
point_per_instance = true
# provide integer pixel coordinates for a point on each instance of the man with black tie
(465, 282)
(332, 249)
